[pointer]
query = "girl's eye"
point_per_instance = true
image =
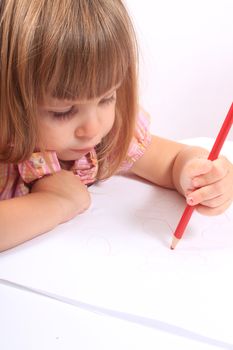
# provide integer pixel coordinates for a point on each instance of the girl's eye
(68, 114)
(64, 115)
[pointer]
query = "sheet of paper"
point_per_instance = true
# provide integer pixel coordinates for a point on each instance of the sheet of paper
(116, 256)
(66, 327)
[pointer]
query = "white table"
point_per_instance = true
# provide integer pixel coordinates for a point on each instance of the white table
(108, 280)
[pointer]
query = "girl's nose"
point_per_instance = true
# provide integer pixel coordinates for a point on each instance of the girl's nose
(89, 129)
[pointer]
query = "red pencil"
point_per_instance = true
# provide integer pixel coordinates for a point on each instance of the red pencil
(214, 153)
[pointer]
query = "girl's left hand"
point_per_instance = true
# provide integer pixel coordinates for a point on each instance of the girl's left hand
(208, 184)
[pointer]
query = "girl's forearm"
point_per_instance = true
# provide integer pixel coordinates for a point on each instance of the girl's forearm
(24, 218)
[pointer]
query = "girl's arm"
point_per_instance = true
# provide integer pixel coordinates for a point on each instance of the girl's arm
(186, 169)
(54, 199)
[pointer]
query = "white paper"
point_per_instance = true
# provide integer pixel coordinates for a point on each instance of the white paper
(116, 256)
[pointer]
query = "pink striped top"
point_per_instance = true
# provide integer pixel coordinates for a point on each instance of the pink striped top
(15, 180)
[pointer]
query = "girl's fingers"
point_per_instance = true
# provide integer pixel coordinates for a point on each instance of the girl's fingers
(210, 187)
(219, 170)
(207, 193)
(213, 211)
(194, 168)
(214, 202)
(198, 167)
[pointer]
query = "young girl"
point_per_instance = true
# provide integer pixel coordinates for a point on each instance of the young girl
(69, 116)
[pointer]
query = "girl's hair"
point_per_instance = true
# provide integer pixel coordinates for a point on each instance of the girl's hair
(70, 49)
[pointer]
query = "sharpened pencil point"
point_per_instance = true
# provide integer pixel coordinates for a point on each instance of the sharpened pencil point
(174, 242)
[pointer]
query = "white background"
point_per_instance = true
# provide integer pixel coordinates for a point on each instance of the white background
(186, 64)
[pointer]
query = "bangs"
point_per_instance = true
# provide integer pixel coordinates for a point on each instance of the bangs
(87, 55)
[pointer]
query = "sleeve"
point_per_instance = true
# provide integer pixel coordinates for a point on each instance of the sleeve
(15, 180)
(39, 165)
(139, 143)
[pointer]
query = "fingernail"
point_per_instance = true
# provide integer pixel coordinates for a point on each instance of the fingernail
(190, 200)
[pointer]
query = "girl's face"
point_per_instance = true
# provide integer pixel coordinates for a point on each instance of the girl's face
(73, 128)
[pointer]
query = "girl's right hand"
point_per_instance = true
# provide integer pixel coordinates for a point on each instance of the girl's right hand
(68, 189)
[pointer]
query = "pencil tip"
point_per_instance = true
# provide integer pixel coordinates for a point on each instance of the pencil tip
(174, 243)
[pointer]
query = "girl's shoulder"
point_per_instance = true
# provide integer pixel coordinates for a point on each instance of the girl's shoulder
(140, 141)
(142, 128)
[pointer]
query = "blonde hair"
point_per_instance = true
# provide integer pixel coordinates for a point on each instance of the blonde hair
(72, 49)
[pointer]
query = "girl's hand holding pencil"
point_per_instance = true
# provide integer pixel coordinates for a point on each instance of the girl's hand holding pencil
(214, 184)
(208, 185)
